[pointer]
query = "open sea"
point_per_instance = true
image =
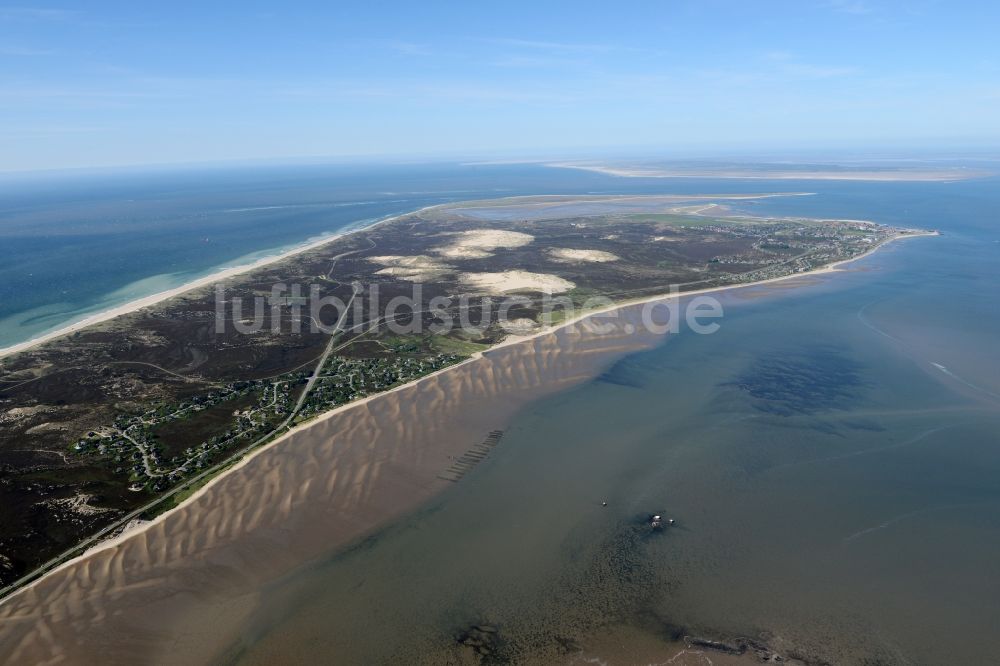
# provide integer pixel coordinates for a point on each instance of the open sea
(831, 454)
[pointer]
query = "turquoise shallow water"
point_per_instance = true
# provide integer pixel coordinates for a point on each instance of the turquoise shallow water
(76, 243)
(831, 455)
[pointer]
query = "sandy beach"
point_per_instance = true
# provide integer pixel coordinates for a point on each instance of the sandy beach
(206, 281)
(175, 589)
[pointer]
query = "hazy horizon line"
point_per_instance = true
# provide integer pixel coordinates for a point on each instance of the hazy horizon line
(959, 151)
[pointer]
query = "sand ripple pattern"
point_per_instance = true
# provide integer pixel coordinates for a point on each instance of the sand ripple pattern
(178, 589)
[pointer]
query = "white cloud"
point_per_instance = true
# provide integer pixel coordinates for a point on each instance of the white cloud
(551, 46)
(407, 48)
(36, 14)
(786, 63)
(19, 51)
(808, 71)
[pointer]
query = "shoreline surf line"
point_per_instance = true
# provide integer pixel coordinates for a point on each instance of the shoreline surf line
(223, 273)
(36, 577)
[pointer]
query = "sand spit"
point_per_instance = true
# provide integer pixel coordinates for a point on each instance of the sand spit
(874, 175)
(571, 256)
(177, 590)
(508, 281)
(482, 243)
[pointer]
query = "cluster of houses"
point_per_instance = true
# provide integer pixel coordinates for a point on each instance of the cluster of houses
(131, 443)
(820, 244)
(346, 379)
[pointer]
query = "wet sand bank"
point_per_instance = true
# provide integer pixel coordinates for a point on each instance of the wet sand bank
(174, 591)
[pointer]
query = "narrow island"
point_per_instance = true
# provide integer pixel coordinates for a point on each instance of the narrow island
(114, 423)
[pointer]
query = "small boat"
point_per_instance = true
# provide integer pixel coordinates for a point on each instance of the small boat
(657, 522)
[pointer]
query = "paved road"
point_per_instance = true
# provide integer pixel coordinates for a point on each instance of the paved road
(322, 359)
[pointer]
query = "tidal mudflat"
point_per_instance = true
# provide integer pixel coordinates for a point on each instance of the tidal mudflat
(829, 456)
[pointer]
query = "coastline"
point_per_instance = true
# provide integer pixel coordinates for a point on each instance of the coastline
(207, 280)
(829, 268)
(234, 271)
(358, 406)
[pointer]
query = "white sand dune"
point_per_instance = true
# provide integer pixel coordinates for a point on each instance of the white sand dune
(571, 256)
(416, 268)
(508, 281)
(481, 243)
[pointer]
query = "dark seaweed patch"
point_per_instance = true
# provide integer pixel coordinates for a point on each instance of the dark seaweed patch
(622, 373)
(484, 641)
(802, 382)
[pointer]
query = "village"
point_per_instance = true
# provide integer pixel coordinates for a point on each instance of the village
(139, 446)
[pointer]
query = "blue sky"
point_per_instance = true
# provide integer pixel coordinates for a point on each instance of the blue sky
(113, 83)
